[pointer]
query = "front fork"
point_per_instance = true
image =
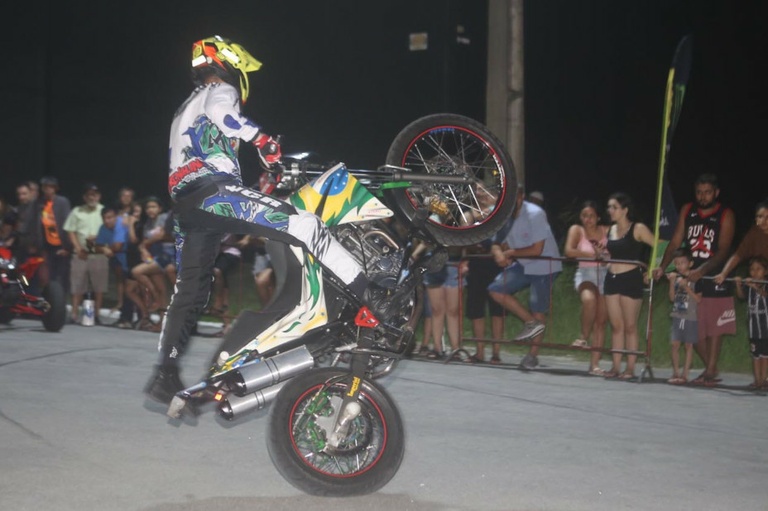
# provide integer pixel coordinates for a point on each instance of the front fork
(350, 406)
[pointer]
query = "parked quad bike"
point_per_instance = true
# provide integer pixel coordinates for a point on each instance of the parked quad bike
(333, 430)
(17, 302)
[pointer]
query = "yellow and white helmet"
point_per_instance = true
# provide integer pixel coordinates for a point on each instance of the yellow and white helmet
(230, 61)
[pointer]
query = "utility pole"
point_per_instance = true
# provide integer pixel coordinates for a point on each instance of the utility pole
(505, 104)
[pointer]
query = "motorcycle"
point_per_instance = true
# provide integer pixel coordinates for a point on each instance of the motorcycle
(312, 352)
(16, 301)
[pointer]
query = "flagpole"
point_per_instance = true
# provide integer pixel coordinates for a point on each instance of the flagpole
(677, 77)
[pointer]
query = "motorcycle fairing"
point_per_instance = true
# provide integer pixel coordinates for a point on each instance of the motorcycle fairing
(337, 197)
(308, 314)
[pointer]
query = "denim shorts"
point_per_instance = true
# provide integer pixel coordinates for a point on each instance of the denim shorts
(167, 256)
(260, 263)
(447, 276)
(513, 279)
(593, 274)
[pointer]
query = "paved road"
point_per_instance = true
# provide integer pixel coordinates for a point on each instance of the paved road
(77, 434)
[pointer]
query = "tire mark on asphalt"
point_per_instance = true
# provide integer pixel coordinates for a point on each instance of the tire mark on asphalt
(48, 355)
(26, 430)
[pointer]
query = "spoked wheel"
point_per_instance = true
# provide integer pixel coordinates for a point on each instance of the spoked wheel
(453, 145)
(302, 421)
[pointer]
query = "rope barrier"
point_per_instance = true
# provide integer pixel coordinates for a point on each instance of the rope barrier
(644, 354)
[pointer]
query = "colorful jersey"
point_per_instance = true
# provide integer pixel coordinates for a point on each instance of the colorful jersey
(52, 235)
(205, 136)
(702, 235)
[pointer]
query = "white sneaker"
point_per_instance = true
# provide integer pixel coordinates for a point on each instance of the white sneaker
(530, 330)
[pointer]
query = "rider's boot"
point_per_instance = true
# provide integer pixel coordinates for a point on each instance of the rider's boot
(164, 384)
(384, 302)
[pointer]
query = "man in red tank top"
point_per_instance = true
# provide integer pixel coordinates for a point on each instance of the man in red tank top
(707, 228)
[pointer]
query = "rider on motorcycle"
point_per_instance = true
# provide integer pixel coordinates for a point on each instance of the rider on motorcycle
(206, 185)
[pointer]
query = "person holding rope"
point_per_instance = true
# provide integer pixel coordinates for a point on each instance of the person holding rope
(684, 329)
(588, 240)
(624, 282)
(754, 244)
(754, 247)
(754, 290)
(517, 250)
(707, 227)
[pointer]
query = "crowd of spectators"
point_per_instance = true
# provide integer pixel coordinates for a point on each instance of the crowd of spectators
(612, 278)
(81, 245)
(130, 241)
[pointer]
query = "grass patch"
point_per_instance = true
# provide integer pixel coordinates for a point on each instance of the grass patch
(563, 325)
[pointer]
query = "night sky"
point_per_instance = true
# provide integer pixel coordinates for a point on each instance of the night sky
(90, 88)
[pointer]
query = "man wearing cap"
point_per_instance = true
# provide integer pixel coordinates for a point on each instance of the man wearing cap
(82, 227)
(52, 210)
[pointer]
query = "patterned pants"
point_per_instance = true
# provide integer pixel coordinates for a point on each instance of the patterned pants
(203, 217)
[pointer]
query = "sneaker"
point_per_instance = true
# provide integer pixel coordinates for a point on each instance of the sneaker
(529, 362)
(530, 330)
(164, 384)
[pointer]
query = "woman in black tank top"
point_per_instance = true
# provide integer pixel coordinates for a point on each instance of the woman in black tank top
(624, 282)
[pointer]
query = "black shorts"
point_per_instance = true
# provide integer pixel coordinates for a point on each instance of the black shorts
(224, 263)
(758, 348)
(628, 284)
(481, 273)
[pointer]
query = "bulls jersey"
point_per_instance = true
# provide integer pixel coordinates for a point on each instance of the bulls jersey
(702, 235)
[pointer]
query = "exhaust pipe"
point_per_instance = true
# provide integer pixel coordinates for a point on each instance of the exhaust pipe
(234, 406)
(258, 375)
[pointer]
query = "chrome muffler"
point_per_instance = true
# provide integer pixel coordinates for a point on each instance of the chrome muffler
(247, 381)
(260, 374)
(233, 406)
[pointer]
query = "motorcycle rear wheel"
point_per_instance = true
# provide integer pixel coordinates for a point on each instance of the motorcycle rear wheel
(366, 459)
(454, 145)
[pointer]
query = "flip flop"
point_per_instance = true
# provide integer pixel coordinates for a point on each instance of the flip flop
(707, 381)
(433, 355)
(596, 371)
(627, 376)
(580, 343)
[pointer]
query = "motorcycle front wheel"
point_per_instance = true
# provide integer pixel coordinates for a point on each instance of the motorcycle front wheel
(56, 315)
(302, 419)
(456, 146)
